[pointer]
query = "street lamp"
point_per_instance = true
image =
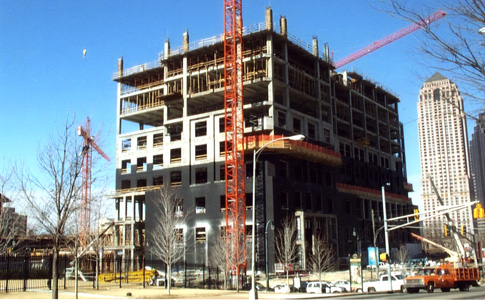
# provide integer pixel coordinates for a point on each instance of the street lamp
(386, 236)
(253, 294)
(266, 251)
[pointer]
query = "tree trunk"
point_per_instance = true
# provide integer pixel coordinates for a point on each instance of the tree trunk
(168, 277)
(76, 276)
(55, 275)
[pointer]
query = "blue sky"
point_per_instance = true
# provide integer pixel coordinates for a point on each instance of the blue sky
(45, 79)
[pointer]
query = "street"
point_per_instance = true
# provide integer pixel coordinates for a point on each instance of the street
(473, 293)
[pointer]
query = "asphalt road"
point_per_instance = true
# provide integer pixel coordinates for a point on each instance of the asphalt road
(474, 293)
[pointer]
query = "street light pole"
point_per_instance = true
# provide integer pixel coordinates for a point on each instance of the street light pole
(266, 252)
(386, 236)
(253, 294)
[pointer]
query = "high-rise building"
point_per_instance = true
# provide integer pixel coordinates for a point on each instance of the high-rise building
(443, 146)
(170, 117)
(477, 157)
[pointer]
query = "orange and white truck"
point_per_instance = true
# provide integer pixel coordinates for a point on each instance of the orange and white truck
(444, 277)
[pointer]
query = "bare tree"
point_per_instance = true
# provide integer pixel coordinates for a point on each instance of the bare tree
(9, 223)
(285, 242)
(459, 47)
(402, 254)
(167, 238)
(51, 194)
(323, 257)
(217, 256)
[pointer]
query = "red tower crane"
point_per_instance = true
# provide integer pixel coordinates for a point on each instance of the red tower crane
(88, 144)
(234, 135)
(390, 38)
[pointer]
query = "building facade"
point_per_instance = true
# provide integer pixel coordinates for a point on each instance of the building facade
(443, 146)
(170, 131)
(477, 157)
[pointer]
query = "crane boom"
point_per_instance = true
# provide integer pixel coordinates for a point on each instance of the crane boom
(390, 38)
(455, 257)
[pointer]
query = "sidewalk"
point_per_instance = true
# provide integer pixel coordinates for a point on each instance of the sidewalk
(157, 293)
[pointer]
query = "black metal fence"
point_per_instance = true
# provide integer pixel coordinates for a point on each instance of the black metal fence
(21, 273)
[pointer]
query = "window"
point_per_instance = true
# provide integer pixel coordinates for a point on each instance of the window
(222, 200)
(222, 149)
(158, 180)
(158, 140)
(308, 201)
(201, 152)
(126, 167)
(141, 183)
(125, 184)
(318, 203)
(141, 164)
(141, 142)
(176, 178)
(126, 145)
(297, 200)
(200, 235)
(311, 131)
(222, 172)
(175, 155)
(284, 200)
(200, 205)
(296, 125)
(179, 234)
(201, 175)
(179, 207)
(281, 119)
(222, 127)
(201, 128)
(326, 135)
(249, 200)
(249, 170)
(157, 162)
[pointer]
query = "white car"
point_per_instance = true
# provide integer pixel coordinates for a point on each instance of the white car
(282, 288)
(323, 287)
(345, 284)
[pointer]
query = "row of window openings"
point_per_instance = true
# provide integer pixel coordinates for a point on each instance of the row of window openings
(297, 127)
(175, 157)
(201, 176)
(359, 154)
(141, 142)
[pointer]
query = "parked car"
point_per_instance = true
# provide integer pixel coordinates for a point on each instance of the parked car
(323, 287)
(345, 284)
(283, 288)
(259, 287)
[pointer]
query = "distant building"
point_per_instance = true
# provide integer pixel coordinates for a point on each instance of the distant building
(13, 225)
(443, 146)
(477, 156)
(170, 130)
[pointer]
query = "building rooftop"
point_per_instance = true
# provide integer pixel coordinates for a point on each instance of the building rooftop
(436, 77)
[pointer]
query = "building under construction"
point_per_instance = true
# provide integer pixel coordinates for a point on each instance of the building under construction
(170, 130)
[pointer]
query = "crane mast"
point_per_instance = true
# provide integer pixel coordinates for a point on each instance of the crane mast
(390, 38)
(85, 212)
(234, 134)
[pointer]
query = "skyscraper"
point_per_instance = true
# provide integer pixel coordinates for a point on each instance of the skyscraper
(443, 146)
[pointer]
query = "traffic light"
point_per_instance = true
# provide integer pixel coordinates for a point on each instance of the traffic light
(478, 212)
(446, 230)
(383, 256)
(463, 229)
(416, 214)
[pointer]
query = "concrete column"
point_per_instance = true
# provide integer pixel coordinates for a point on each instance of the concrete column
(166, 49)
(269, 19)
(315, 46)
(185, 47)
(283, 29)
